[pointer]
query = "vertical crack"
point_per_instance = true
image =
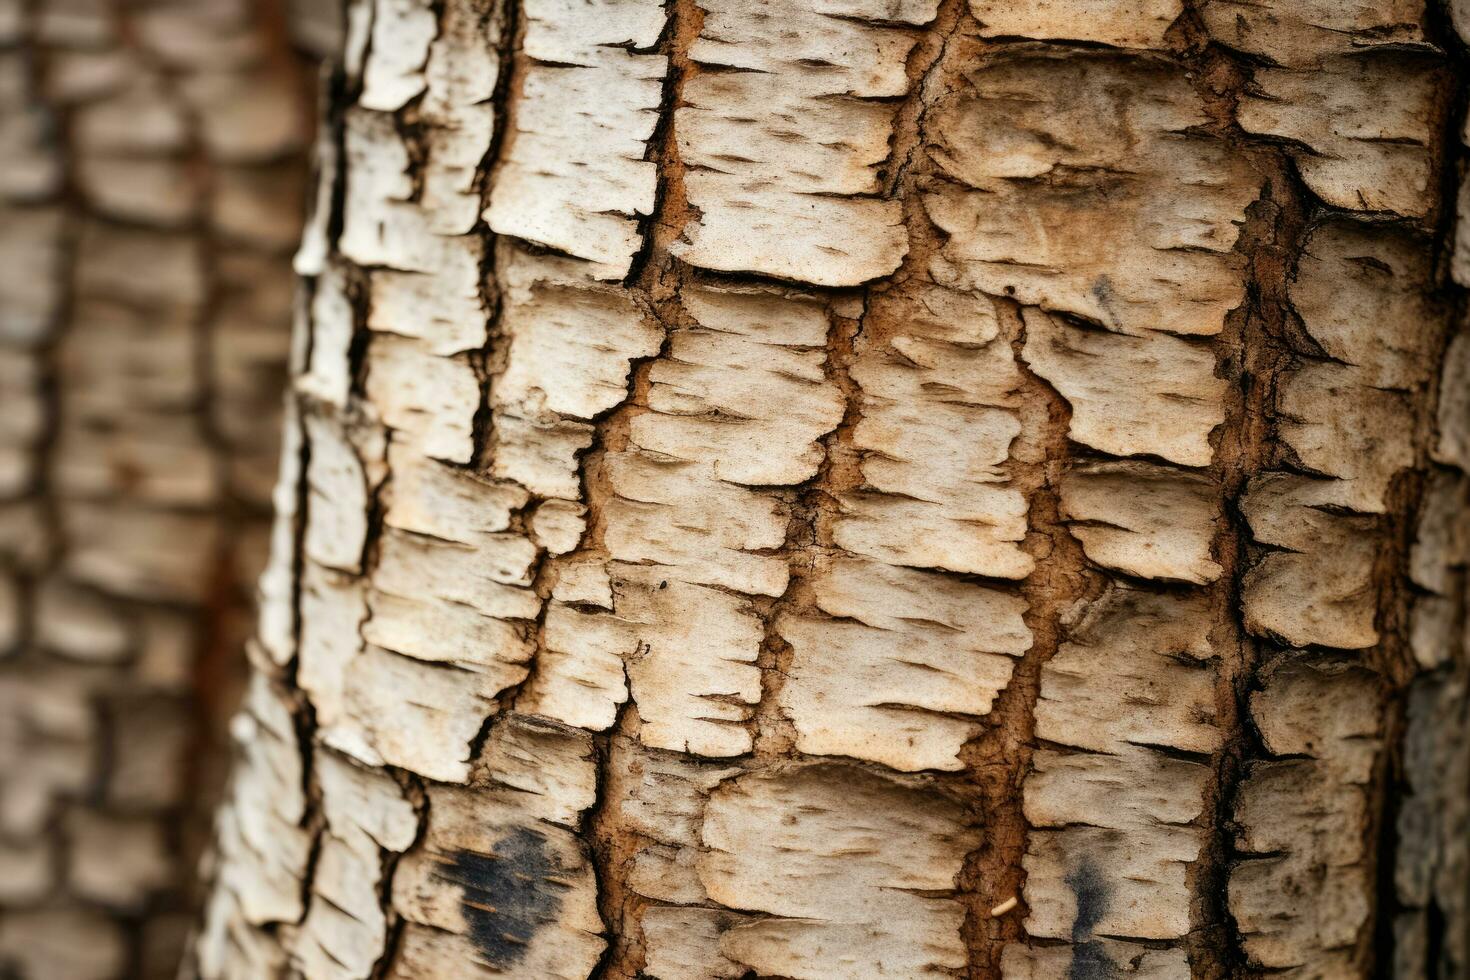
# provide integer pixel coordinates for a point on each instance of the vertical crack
(999, 757)
(655, 278)
(1252, 353)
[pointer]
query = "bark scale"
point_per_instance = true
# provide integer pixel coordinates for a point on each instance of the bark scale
(770, 483)
(151, 162)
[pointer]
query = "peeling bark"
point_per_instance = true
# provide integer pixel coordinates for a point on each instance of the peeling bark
(829, 490)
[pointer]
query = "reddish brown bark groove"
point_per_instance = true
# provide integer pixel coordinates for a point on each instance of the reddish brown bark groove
(998, 760)
(1252, 355)
(1256, 348)
(655, 279)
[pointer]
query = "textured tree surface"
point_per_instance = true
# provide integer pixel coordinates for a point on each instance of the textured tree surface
(149, 152)
(772, 481)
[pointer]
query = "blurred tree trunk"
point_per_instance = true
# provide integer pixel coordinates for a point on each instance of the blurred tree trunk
(151, 180)
(850, 490)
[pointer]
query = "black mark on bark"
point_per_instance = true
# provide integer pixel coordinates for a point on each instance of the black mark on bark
(1089, 960)
(509, 894)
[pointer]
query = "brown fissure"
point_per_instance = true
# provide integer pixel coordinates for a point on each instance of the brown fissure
(1263, 341)
(1253, 353)
(655, 279)
(998, 759)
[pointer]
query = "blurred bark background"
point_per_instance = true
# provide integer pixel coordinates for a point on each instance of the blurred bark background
(151, 189)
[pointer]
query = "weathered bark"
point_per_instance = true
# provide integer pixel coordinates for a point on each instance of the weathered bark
(833, 489)
(151, 163)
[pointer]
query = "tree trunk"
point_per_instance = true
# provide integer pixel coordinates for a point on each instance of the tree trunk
(149, 199)
(848, 490)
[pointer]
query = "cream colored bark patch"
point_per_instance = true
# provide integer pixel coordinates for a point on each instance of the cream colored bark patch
(1064, 168)
(574, 180)
(885, 916)
(1120, 23)
(1113, 841)
(1153, 522)
(1152, 395)
(785, 150)
(1318, 587)
(1356, 159)
(1307, 818)
(903, 658)
(1367, 300)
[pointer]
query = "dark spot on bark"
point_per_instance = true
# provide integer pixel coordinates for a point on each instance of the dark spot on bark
(1089, 961)
(1102, 291)
(1092, 898)
(1436, 962)
(509, 894)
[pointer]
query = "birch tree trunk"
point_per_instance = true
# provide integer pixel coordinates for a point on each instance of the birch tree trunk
(833, 489)
(150, 171)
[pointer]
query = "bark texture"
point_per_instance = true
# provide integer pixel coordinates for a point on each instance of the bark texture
(151, 163)
(830, 489)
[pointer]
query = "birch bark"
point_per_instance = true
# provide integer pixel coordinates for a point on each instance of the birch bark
(770, 482)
